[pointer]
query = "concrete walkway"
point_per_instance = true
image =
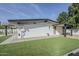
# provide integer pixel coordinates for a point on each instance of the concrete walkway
(13, 39)
(73, 53)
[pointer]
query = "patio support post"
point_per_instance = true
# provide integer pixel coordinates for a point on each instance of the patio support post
(71, 31)
(11, 30)
(6, 30)
(54, 29)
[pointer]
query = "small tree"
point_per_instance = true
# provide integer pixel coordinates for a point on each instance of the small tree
(62, 18)
(73, 14)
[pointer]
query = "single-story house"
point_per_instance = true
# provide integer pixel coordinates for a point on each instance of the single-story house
(27, 28)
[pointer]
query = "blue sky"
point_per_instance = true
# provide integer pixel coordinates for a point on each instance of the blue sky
(31, 11)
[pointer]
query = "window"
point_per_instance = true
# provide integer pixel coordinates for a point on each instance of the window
(45, 21)
(34, 22)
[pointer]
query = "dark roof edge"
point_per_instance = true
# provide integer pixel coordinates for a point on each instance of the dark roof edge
(30, 20)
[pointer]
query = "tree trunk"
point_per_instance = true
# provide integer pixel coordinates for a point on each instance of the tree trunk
(6, 30)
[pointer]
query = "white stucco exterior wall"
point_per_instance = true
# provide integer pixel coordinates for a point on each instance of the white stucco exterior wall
(35, 30)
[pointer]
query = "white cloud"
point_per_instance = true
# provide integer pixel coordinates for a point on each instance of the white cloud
(14, 12)
(37, 9)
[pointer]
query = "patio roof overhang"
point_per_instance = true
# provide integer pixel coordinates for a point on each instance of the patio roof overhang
(30, 21)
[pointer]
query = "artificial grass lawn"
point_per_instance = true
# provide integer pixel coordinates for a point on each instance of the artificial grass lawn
(51, 46)
(2, 38)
